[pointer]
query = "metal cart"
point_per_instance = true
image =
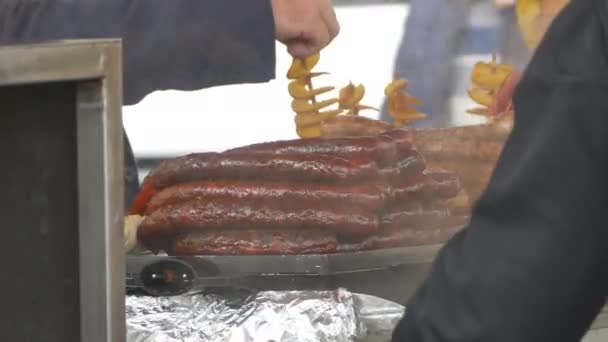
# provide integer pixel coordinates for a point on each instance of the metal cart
(62, 199)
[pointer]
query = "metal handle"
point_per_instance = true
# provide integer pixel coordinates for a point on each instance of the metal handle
(163, 277)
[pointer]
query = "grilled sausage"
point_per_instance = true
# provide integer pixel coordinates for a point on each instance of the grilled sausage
(408, 230)
(285, 167)
(416, 218)
(240, 214)
(368, 197)
(414, 237)
(380, 149)
(410, 166)
(401, 138)
(427, 186)
(254, 242)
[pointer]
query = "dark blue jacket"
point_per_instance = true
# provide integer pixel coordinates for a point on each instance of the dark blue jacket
(167, 44)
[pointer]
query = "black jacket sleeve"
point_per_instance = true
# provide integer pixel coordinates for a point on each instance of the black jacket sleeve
(168, 44)
(532, 265)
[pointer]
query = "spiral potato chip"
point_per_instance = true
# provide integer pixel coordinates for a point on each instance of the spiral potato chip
(492, 88)
(400, 104)
(310, 112)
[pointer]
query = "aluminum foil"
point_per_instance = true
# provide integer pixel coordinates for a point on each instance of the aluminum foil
(377, 317)
(270, 316)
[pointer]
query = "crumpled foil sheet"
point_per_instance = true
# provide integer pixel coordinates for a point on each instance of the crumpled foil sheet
(378, 317)
(270, 316)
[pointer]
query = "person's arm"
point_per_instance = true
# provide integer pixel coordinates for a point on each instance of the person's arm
(532, 265)
(168, 44)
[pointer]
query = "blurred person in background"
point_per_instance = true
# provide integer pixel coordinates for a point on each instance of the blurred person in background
(513, 50)
(178, 44)
(434, 33)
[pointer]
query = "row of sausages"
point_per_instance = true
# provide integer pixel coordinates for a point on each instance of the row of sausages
(331, 161)
(295, 197)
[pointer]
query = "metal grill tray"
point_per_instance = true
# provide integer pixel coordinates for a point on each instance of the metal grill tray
(316, 264)
(392, 274)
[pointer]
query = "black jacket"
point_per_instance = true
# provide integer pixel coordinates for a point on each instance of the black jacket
(167, 44)
(532, 266)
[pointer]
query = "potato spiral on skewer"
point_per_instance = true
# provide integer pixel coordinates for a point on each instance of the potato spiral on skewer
(308, 110)
(492, 88)
(349, 99)
(400, 105)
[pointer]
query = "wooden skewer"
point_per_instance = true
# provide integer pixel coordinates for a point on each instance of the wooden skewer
(309, 82)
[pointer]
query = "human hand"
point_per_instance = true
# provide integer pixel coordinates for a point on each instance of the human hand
(500, 4)
(304, 26)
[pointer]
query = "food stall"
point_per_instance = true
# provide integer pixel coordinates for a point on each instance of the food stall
(315, 239)
(61, 105)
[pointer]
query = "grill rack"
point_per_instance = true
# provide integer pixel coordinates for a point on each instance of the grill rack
(391, 274)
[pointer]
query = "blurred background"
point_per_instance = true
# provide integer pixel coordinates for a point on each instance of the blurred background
(170, 123)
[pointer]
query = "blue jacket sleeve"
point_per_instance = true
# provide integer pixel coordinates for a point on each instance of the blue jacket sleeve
(532, 264)
(168, 44)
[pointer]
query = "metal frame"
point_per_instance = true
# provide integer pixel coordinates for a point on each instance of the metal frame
(96, 67)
